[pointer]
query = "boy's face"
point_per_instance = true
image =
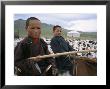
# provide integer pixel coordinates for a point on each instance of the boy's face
(34, 28)
(57, 31)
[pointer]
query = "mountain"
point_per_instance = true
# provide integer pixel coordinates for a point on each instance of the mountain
(19, 29)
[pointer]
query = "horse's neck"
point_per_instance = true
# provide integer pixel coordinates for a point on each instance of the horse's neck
(85, 68)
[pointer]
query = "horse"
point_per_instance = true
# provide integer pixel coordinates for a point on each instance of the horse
(82, 66)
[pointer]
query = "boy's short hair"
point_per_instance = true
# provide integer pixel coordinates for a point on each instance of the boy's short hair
(31, 18)
(54, 27)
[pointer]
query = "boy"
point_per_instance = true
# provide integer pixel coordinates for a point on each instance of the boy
(58, 44)
(31, 46)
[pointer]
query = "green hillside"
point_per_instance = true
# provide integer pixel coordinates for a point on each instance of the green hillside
(89, 35)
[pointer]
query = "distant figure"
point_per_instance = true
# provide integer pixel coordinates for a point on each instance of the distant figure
(58, 44)
(32, 46)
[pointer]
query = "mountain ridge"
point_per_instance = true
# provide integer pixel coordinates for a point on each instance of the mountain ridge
(19, 30)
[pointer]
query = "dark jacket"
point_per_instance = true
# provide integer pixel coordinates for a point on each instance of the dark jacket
(26, 49)
(58, 45)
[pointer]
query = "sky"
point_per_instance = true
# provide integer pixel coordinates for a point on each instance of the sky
(73, 21)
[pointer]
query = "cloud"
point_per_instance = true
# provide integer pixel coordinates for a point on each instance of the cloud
(75, 16)
(83, 25)
(77, 21)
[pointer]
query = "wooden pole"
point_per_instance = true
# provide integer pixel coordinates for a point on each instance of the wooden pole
(38, 58)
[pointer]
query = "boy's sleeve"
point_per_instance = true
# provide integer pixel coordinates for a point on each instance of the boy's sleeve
(17, 54)
(56, 47)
